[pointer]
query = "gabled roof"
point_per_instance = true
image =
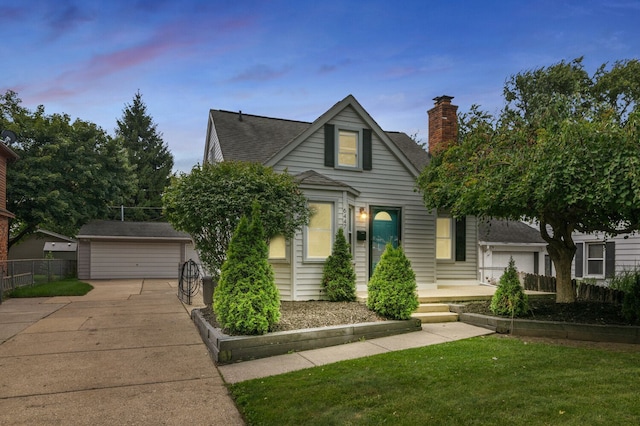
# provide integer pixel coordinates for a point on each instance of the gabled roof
(313, 179)
(496, 231)
(55, 234)
(245, 137)
(119, 229)
(266, 140)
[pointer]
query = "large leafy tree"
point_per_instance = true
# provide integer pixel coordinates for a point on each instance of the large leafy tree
(564, 151)
(149, 156)
(209, 202)
(67, 173)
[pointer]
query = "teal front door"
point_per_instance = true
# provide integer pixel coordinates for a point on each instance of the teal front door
(385, 228)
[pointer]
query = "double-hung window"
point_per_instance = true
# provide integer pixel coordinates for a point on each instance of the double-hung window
(348, 148)
(319, 231)
(451, 238)
(595, 259)
(444, 238)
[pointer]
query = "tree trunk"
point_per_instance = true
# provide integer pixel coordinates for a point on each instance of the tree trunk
(561, 250)
(564, 289)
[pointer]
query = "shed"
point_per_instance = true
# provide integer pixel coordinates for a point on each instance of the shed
(116, 249)
(41, 243)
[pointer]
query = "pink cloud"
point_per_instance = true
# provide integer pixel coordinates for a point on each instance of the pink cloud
(167, 43)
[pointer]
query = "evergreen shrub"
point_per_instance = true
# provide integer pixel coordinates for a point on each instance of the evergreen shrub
(392, 290)
(509, 298)
(246, 300)
(338, 276)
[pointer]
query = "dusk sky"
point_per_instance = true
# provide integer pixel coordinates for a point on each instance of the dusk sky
(292, 59)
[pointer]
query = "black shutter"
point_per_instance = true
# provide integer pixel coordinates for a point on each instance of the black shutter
(610, 259)
(367, 151)
(461, 239)
(329, 145)
(536, 260)
(579, 259)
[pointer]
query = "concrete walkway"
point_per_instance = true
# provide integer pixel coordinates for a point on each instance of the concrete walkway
(431, 334)
(126, 353)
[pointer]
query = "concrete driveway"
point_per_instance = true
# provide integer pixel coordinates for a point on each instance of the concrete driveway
(126, 353)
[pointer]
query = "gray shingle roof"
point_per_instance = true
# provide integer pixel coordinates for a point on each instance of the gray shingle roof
(507, 231)
(253, 138)
(313, 178)
(414, 152)
(246, 137)
(116, 228)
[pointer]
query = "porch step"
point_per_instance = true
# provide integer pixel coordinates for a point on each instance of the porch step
(434, 312)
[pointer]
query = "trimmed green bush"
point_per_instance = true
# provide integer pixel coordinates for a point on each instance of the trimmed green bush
(392, 288)
(246, 300)
(509, 298)
(631, 301)
(338, 276)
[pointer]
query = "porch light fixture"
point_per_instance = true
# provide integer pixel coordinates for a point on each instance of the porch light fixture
(363, 213)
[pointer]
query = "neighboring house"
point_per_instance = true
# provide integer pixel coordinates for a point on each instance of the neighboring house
(601, 258)
(500, 240)
(116, 249)
(6, 155)
(42, 242)
(597, 258)
(358, 177)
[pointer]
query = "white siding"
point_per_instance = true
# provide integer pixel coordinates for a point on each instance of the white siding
(111, 260)
(627, 250)
(389, 184)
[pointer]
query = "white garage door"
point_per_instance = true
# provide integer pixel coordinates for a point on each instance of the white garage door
(134, 260)
(524, 261)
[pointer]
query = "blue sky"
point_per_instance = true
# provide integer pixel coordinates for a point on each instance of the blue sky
(292, 59)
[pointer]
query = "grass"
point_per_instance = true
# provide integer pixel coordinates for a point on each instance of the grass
(480, 381)
(64, 287)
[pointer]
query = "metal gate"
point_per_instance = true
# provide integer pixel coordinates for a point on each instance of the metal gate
(189, 281)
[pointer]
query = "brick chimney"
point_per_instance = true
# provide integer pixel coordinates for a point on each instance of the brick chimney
(443, 124)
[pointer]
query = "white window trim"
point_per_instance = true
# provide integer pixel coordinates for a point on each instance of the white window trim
(452, 239)
(334, 229)
(586, 259)
(359, 147)
(287, 252)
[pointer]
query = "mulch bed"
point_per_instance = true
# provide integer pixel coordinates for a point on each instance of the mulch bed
(548, 310)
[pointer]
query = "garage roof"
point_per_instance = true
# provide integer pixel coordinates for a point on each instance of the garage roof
(497, 231)
(131, 230)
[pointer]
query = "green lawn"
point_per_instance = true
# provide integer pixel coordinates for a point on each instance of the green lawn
(66, 287)
(481, 381)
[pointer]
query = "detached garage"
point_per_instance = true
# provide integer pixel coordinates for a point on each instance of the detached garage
(116, 249)
(500, 240)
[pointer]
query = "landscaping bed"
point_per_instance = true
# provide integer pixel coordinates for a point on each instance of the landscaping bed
(303, 326)
(579, 321)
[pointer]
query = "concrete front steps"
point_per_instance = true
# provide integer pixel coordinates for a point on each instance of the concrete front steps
(434, 312)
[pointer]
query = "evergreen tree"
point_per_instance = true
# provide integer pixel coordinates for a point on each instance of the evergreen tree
(509, 298)
(149, 156)
(392, 288)
(338, 276)
(246, 301)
